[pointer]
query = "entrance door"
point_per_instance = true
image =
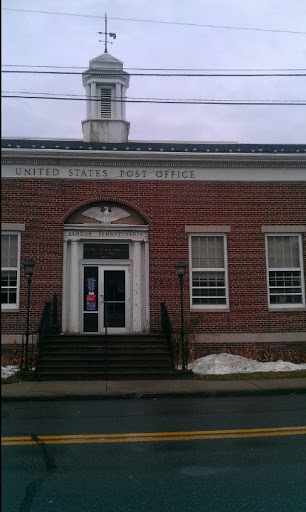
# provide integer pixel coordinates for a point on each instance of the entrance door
(105, 299)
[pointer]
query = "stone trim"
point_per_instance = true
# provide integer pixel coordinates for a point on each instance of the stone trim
(262, 337)
(207, 229)
(283, 229)
(175, 163)
(12, 226)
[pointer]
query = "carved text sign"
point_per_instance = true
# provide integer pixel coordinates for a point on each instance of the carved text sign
(95, 173)
(127, 234)
(222, 173)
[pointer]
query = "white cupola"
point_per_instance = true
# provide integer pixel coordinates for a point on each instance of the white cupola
(106, 84)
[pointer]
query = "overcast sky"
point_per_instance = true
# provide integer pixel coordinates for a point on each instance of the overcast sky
(53, 40)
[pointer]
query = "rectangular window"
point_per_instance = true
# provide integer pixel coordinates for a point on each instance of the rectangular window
(285, 271)
(10, 268)
(209, 288)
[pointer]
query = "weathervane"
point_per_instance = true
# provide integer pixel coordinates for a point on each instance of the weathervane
(110, 34)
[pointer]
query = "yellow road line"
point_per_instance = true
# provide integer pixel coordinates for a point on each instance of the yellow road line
(152, 436)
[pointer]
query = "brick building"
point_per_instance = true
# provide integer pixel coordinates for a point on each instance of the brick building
(107, 219)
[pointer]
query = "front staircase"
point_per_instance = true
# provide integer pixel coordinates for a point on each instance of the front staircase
(85, 357)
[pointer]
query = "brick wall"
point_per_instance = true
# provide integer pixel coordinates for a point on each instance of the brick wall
(44, 204)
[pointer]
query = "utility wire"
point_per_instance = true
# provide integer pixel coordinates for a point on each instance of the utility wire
(130, 98)
(227, 27)
(171, 102)
(156, 69)
(97, 73)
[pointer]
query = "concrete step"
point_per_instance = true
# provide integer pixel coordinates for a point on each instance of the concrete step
(74, 356)
(114, 375)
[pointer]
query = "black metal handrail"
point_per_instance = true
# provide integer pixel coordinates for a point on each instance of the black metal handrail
(169, 332)
(48, 322)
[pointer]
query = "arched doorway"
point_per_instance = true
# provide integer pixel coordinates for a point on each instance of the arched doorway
(105, 270)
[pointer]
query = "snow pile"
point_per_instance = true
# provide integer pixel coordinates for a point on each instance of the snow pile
(220, 364)
(8, 371)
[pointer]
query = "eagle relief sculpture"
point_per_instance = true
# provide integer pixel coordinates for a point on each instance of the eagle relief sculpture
(106, 214)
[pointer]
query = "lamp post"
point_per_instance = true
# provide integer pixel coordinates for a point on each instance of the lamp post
(29, 266)
(181, 271)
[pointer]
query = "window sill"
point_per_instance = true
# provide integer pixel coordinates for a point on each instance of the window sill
(286, 309)
(10, 309)
(209, 310)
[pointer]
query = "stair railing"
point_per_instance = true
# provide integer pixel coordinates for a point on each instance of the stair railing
(48, 323)
(168, 331)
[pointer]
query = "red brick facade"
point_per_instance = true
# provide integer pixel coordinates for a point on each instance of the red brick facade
(44, 204)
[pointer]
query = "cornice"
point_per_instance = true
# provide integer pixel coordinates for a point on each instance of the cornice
(146, 160)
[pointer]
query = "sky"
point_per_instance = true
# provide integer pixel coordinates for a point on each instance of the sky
(39, 39)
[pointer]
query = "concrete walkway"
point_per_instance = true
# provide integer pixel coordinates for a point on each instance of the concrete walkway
(81, 390)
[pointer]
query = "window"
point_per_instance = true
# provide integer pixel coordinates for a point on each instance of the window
(106, 104)
(209, 288)
(10, 258)
(285, 272)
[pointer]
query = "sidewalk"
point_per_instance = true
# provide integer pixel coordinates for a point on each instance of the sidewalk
(92, 390)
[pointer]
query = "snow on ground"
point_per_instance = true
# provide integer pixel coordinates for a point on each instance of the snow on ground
(220, 364)
(8, 371)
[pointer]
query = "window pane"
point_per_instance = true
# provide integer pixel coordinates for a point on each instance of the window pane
(9, 250)
(283, 251)
(9, 270)
(208, 288)
(4, 250)
(8, 287)
(9, 278)
(207, 251)
(285, 287)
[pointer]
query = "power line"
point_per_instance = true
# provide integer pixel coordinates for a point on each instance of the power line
(155, 69)
(130, 98)
(169, 102)
(227, 27)
(157, 74)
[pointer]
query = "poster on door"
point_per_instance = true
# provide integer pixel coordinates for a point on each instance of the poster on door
(91, 294)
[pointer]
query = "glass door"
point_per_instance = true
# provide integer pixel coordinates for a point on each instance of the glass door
(113, 283)
(105, 299)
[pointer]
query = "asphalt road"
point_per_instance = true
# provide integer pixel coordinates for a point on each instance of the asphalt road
(183, 454)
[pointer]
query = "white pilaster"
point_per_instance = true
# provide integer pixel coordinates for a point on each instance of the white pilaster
(146, 281)
(64, 296)
(88, 102)
(117, 102)
(123, 104)
(94, 104)
(74, 298)
(137, 289)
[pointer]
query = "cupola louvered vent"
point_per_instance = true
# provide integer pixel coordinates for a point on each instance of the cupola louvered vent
(106, 103)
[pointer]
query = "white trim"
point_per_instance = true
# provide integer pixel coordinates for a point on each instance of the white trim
(102, 268)
(208, 307)
(64, 291)
(285, 307)
(283, 229)
(146, 266)
(14, 307)
(207, 229)
(137, 271)
(74, 299)
(12, 226)
(148, 171)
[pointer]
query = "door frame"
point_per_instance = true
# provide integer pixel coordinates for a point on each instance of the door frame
(102, 267)
(74, 236)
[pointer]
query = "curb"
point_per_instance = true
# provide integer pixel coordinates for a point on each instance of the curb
(179, 394)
